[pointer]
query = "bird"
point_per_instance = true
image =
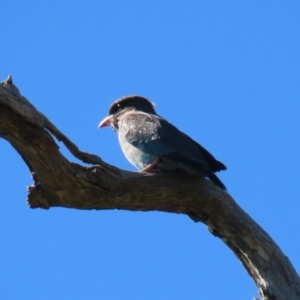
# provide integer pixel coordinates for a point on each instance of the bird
(151, 143)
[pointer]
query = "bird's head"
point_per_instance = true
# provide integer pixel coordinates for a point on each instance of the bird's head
(123, 105)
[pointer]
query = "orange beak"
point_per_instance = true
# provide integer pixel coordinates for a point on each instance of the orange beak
(105, 122)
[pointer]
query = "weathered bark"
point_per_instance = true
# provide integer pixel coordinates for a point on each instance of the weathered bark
(59, 182)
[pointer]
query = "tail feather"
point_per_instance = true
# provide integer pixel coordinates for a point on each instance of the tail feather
(214, 178)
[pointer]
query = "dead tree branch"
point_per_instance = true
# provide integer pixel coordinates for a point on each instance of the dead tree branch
(59, 182)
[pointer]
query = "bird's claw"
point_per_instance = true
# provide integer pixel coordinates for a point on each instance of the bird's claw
(150, 167)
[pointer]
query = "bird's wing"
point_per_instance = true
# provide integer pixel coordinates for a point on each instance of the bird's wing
(154, 135)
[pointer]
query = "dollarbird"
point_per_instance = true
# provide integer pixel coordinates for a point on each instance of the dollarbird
(150, 142)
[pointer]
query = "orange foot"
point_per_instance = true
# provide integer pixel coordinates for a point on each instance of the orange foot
(150, 167)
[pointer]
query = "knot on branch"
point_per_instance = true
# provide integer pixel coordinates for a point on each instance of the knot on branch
(36, 197)
(8, 85)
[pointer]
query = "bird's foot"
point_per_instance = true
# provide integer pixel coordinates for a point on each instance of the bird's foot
(150, 167)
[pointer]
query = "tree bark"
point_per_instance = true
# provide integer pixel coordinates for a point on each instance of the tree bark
(59, 182)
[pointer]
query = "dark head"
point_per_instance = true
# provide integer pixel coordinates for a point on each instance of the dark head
(132, 102)
(125, 104)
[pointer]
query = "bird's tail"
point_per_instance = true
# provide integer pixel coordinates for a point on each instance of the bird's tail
(214, 178)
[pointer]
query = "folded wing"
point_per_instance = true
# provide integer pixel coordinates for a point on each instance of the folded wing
(154, 135)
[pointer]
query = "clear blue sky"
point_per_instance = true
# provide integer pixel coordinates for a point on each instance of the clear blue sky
(224, 72)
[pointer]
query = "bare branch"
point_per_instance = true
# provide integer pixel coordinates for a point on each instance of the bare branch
(59, 182)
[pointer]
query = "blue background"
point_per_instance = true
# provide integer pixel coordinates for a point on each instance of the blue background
(226, 73)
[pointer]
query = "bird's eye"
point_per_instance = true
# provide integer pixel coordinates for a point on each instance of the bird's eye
(116, 108)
